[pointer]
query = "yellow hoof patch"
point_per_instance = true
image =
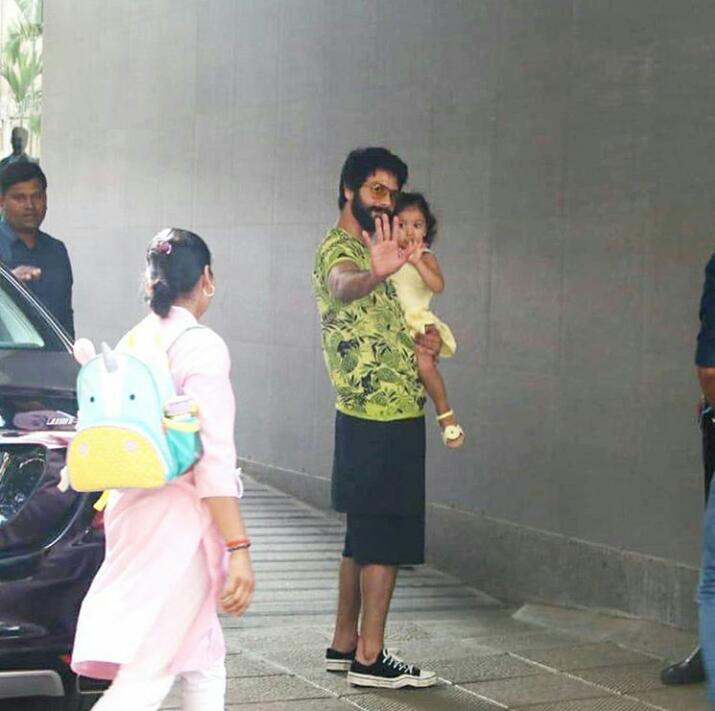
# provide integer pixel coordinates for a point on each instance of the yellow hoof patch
(108, 457)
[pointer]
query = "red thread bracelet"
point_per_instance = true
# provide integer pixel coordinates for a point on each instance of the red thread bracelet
(238, 542)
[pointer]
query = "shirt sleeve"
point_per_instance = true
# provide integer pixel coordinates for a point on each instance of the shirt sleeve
(206, 378)
(67, 310)
(705, 350)
(338, 249)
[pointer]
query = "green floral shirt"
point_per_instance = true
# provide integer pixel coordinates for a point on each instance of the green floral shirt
(368, 351)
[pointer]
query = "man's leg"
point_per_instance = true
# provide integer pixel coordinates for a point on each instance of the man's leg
(377, 584)
(706, 597)
(345, 636)
(690, 670)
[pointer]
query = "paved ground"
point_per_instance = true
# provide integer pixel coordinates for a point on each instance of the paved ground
(486, 659)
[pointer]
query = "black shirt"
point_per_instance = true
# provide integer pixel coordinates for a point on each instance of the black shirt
(54, 287)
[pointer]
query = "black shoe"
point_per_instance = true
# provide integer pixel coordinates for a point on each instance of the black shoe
(687, 671)
(338, 661)
(389, 672)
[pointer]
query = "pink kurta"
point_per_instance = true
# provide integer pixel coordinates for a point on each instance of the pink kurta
(153, 535)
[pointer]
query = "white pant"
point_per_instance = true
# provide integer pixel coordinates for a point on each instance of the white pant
(142, 685)
(200, 691)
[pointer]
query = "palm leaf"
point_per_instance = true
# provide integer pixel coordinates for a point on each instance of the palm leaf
(31, 10)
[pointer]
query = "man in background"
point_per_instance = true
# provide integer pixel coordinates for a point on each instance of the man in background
(41, 262)
(18, 141)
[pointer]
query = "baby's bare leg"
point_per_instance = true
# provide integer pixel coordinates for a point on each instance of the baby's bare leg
(434, 384)
(436, 389)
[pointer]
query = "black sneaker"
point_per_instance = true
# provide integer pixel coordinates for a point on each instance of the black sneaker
(338, 661)
(389, 672)
(690, 670)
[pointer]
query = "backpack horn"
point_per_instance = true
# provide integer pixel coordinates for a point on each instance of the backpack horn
(110, 358)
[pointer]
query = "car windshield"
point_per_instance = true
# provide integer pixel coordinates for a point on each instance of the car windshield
(23, 325)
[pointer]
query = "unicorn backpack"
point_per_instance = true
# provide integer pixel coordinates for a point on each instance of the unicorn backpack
(133, 430)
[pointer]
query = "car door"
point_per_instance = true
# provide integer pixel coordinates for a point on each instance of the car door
(37, 415)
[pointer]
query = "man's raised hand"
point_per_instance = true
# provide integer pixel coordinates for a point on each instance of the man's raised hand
(386, 254)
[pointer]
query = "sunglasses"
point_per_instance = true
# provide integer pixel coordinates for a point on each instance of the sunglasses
(380, 191)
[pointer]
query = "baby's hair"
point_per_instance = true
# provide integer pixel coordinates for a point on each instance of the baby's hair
(405, 200)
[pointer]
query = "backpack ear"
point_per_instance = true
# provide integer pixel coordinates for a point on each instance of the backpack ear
(83, 350)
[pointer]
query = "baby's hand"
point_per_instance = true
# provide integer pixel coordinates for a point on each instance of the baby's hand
(417, 254)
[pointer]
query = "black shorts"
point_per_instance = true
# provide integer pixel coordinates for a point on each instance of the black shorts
(379, 467)
(386, 540)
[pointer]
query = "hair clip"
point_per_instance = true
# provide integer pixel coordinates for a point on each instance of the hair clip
(164, 247)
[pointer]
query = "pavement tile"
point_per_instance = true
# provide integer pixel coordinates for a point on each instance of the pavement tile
(260, 528)
(479, 668)
(259, 689)
(334, 682)
(327, 580)
(416, 651)
(537, 689)
(586, 656)
(275, 543)
(486, 659)
(271, 688)
(250, 621)
(403, 631)
(276, 517)
(685, 698)
(328, 576)
(304, 554)
(289, 566)
(520, 642)
(437, 698)
(607, 703)
(312, 705)
(473, 623)
(327, 593)
(625, 679)
(295, 546)
(266, 507)
(242, 664)
(258, 638)
(298, 659)
(311, 605)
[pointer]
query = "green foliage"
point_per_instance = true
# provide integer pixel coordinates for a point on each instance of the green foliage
(21, 62)
(21, 74)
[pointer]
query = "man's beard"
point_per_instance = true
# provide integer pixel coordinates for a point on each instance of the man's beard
(366, 215)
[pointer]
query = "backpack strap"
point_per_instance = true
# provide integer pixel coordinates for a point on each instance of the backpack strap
(180, 334)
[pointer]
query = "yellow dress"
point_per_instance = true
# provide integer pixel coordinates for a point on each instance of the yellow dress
(414, 296)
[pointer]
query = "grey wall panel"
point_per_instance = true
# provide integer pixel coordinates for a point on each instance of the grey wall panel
(567, 148)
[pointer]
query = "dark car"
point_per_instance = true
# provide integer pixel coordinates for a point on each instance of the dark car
(51, 542)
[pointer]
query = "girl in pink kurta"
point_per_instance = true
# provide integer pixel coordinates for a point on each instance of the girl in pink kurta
(151, 612)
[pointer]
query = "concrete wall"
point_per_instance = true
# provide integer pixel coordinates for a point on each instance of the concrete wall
(567, 147)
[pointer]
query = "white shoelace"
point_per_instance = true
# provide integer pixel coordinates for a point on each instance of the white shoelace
(392, 661)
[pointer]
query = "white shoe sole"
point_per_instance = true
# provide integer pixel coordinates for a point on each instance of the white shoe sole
(398, 682)
(338, 665)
